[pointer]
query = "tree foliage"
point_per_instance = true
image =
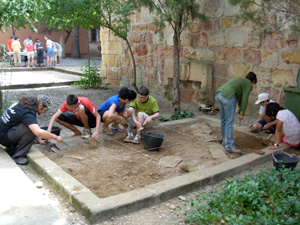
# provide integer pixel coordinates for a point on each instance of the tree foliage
(178, 14)
(90, 14)
(270, 16)
(17, 14)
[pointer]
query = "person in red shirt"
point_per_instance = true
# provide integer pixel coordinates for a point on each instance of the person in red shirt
(79, 111)
(10, 49)
(30, 54)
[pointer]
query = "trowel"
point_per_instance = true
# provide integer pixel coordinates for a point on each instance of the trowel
(53, 147)
(94, 143)
(267, 141)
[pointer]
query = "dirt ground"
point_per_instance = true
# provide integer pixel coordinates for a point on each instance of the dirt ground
(115, 167)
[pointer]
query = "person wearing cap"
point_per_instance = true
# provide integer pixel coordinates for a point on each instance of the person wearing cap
(263, 122)
(79, 111)
(19, 127)
(234, 91)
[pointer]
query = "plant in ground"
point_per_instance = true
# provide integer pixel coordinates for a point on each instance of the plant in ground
(91, 78)
(179, 114)
(269, 197)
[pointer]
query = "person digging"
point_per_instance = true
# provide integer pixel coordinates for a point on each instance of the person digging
(19, 127)
(79, 111)
(263, 122)
(142, 112)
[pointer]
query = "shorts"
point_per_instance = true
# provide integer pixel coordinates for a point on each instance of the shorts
(49, 51)
(285, 141)
(72, 118)
(59, 54)
(30, 55)
(148, 125)
(101, 113)
(262, 122)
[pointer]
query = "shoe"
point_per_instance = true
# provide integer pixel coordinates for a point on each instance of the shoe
(116, 129)
(86, 133)
(21, 161)
(108, 132)
(136, 139)
(128, 139)
(235, 151)
(28, 66)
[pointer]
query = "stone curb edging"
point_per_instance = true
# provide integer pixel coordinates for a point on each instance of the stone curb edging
(98, 209)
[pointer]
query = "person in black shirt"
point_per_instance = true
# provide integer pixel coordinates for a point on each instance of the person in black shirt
(19, 127)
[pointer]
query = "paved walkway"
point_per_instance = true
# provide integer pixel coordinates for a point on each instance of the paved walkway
(21, 201)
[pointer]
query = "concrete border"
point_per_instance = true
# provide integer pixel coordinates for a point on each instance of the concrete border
(98, 209)
(37, 85)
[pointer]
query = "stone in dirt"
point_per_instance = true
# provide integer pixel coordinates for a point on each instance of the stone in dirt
(39, 184)
(170, 161)
(217, 151)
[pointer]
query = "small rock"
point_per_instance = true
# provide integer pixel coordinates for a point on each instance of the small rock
(182, 198)
(172, 207)
(222, 221)
(112, 219)
(39, 184)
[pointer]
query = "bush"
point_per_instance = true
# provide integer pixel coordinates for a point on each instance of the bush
(177, 116)
(269, 197)
(91, 78)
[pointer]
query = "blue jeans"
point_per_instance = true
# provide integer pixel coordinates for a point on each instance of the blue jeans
(227, 112)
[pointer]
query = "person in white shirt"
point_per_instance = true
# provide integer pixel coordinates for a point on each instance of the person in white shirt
(54, 56)
(287, 126)
(263, 122)
(59, 50)
(49, 50)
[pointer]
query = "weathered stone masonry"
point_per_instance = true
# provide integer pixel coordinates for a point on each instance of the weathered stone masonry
(211, 54)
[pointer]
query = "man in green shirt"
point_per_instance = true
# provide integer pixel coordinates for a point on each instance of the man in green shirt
(236, 90)
(143, 110)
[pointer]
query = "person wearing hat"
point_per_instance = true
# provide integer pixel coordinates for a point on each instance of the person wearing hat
(263, 122)
(19, 127)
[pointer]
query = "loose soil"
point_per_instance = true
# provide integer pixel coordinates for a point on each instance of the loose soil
(115, 167)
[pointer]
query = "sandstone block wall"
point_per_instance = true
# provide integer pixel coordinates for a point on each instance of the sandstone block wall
(231, 49)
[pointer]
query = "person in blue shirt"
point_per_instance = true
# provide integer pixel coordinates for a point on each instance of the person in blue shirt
(112, 110)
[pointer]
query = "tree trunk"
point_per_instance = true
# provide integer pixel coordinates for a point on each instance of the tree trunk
(175, 87)
(75, 51)
(134, 66)
(13, 30)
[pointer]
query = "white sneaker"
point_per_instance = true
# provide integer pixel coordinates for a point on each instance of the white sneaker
(128, 139)
(136, 139)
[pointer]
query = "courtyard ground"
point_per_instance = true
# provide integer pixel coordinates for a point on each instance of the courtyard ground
(170, 212)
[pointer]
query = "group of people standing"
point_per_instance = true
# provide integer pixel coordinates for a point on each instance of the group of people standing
(19, 127)
(53, 52)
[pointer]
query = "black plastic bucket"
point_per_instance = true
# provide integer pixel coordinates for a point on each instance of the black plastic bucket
(153, 140)
(55, 130)
(285, 160)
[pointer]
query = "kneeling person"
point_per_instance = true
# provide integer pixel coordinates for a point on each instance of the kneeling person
(19, 127)
(143, 110)
(79, 111)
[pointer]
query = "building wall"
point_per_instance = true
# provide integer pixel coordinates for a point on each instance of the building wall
(53, 34)
(232, 50)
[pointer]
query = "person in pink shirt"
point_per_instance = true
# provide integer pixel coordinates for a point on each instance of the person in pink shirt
(30, 54)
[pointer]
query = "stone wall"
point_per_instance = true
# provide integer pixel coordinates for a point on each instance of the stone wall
(231, 49)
